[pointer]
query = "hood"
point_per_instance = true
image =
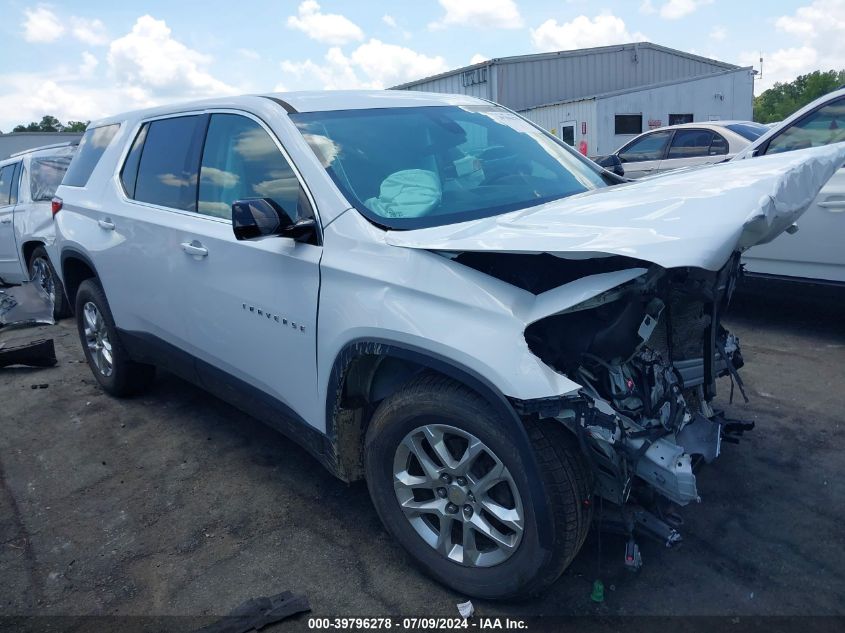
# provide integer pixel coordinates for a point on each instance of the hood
(693, 219)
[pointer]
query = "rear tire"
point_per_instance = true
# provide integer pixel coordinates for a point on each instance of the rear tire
(416, 416)
(42, 272)
(117, 374)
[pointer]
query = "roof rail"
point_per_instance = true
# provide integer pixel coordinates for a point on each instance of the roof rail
(36, 149)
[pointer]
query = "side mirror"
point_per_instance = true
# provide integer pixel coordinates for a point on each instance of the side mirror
(612, 163)
(261, 217)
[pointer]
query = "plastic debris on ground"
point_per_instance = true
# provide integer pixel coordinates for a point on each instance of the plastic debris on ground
(466, 609)
(25, 306)
(256, 613)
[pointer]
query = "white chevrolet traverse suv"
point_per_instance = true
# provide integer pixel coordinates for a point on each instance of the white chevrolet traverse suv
(430, 293)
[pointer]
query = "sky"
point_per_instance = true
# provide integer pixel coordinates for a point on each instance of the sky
(85, 60)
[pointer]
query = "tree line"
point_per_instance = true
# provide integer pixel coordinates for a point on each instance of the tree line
(782, 99)
(50, 123)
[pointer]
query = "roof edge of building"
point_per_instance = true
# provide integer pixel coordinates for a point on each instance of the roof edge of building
(513, 59)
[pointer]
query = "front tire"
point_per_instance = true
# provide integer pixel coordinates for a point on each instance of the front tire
(117, 374)
(450, 485)
(42, 272)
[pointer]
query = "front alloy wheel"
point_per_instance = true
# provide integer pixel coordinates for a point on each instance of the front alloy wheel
(458, 495)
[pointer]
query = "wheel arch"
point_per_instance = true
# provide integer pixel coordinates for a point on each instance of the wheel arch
(366, 371)
(76, 267)
(27, 249)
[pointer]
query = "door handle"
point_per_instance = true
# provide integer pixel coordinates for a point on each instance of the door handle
(106, 224)
(837, 205)
(194, 248)
(7, 220)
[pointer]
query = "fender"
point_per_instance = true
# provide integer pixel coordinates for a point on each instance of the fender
(464, 375)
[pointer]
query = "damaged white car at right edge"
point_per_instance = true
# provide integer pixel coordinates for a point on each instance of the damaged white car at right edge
(430, 293)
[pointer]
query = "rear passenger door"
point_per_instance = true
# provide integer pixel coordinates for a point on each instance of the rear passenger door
(141, 259)
(692, 146)
(10, 266)
(251, 306)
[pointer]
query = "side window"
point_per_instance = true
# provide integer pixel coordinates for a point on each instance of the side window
(94, 142)
(129, 173)
(167, 167)
(823, 127)
(719, 146)
(691, 144)
(46, 173)
(7, 176)
(649, 147)
(240, 160)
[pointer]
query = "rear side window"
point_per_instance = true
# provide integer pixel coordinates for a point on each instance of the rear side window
(168, 162)
(46, 173)
(241, 160)
(691, 144)
(7, 175)
(91, 148)
(129, 173)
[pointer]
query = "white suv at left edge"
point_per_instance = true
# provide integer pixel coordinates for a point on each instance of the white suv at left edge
(431, 293)
(28, 181)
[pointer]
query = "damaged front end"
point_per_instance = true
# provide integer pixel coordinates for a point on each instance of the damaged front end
(647, 355)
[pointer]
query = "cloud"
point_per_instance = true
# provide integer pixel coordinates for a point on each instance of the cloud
(673, 9)
(88, 65)
(389, 20)
(248, 53)
(816, 29)
(373, 64)
(489, 14)
(152, 62)
(92, 32)
(41, 26)
(478, 58)
(329, 28)
(582, 32)
(718, 33)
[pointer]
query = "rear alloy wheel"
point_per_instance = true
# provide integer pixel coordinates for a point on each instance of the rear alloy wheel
(41, 272)
(484, 506)
(111, 365)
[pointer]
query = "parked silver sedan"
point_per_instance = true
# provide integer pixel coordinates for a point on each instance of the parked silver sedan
(685, 145)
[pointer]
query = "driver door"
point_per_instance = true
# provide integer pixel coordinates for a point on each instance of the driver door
(251, 305)
(642, 156)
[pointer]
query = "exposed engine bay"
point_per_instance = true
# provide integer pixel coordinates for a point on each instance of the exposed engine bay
(647, 354)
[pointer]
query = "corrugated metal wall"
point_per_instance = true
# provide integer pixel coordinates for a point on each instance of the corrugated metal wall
(540, 80)
(697, 97)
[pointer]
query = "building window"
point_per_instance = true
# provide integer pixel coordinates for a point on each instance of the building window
(629, 124)
(678, 119)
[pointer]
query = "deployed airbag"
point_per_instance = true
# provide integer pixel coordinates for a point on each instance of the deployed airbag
(409, 193)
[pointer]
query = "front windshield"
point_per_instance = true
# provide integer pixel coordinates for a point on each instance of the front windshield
(407, 168)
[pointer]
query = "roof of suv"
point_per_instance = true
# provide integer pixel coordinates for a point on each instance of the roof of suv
(319, 101)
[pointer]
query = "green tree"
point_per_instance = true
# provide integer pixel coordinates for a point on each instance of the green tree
(782, 99)
(50, 123)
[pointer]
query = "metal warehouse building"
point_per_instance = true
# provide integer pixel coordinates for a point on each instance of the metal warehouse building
(598, 98)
